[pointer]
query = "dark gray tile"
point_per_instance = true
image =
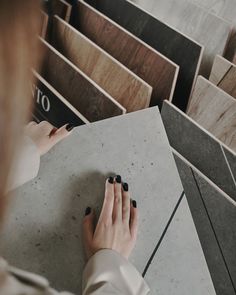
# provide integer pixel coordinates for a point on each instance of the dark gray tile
(222, 213)
(211, 249)
(198, 147)
(231, 158)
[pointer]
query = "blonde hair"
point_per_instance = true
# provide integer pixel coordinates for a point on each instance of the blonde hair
(19, 27)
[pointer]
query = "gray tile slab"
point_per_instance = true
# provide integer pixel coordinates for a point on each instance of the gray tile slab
(43, 231)
(231, 158)
(199, 147)
(209, 242)
(222, 212)
(179, 267)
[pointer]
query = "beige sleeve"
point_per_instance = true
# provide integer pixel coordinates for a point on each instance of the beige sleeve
(26, 165)
(107, 272)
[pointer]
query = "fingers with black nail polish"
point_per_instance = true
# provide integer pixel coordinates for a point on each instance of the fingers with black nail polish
(126, 187)
(118, 178)
(88, 211)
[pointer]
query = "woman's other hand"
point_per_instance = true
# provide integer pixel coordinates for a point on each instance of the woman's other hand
(118, 222)
(45, 135)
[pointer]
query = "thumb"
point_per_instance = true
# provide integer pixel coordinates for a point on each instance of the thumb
(88, 231)
(61, 133)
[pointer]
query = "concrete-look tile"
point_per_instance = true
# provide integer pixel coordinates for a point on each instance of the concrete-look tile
(231, 158)
(199, 147)
(179, 267)
(46, 215)
(215, 260)
(222, 213)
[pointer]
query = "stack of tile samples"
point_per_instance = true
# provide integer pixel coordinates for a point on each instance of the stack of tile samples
(114, 57)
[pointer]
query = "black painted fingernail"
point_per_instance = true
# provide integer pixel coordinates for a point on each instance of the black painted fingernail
(69, 127)
(87, 211)
(134, 203)
(118, 178)
(110, 179)
(125, 187)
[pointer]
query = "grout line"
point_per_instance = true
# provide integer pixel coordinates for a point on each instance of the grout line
(218, 243)
(162, 236)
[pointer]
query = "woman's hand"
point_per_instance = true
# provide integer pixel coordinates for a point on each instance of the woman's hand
(45, 135)
(118, 223)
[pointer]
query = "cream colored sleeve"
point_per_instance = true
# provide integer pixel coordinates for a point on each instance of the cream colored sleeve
(26, 165)
(107, 272)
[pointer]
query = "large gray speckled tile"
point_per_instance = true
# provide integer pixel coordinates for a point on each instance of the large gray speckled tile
(43, 231)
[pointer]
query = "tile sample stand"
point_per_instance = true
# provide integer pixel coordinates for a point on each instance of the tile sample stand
(214, 214)
(123, 85)
(193, 20)
(179, 267)
(144, 61)
(80, 91)
(223, 75)
(46, 216)
(52, 107)
(200, 148)
(182, 50)
(214, 110)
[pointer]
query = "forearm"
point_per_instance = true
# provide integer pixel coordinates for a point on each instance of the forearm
(107, 272)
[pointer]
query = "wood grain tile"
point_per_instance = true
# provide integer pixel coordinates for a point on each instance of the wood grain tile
(205, 197)
(168, 41)
(44, 24)
(144, 61)
(200, 148)
(223, 75)
(214, 110)
(81, 92)
(193, 20)
(52, 107)
(61, 8)
(219, 70)
(123, 85)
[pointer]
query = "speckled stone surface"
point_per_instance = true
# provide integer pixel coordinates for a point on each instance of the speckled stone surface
(43, 230)
(178, 267)
(46, 215)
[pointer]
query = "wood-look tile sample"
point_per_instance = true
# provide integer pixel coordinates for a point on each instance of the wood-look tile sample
(80, 91)
(61, 8)
(123, 85)
(200, 148)
(144, 61)
(52, 107)
(196, 23)
(44, 24)
(204, 196)
(168, 41)
(214, 110)
(223, 75)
